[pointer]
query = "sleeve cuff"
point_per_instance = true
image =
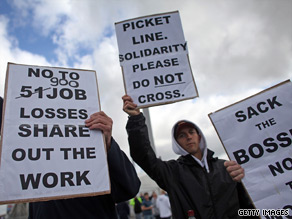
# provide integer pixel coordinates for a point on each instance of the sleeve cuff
(136, 117)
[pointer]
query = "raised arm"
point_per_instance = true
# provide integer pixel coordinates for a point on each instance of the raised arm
(140, 146)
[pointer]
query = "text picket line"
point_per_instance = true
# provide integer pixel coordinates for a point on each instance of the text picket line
(146, 22)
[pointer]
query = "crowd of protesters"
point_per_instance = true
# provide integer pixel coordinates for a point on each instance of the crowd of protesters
(152, 206)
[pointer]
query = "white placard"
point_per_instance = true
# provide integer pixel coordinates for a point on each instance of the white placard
(3, 210)
(257, 133)
(46, 150)
(154, 59)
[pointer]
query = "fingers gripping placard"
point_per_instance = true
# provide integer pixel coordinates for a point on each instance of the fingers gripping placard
(47, 152)
(154, 58)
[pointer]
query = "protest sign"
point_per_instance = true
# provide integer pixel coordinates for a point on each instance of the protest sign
(3, 210)
(154, 59)
(46, 150)
(257, 133)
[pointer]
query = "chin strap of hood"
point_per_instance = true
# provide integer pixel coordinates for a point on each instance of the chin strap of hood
(203, 146)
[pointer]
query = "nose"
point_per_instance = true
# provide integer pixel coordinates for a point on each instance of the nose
(189, 136)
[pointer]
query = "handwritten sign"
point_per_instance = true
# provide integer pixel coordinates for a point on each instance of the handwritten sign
(154, 59)
(46, 150)
(257, 133)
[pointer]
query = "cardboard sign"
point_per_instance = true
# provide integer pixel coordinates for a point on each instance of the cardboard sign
(3, 210)
(46, 150)
(257, 133)
(154, 59)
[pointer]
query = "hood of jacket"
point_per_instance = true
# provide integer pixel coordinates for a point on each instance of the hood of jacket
(203, 145)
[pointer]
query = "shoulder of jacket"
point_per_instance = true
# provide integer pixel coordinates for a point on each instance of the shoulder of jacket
(187, 160)
(210, 155)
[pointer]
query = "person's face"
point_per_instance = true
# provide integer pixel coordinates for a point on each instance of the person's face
(189, 139)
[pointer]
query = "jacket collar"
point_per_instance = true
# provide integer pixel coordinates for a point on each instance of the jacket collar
(188, 160)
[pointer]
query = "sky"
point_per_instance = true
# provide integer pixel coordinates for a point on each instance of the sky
(236, 49)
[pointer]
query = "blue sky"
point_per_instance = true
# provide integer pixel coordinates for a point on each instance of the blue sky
(236, 49)
(27, 36)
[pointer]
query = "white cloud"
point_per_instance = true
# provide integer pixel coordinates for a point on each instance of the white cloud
(11, 53)
(234, 41)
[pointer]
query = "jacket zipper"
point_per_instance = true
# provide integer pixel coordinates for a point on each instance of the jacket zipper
(210, 190)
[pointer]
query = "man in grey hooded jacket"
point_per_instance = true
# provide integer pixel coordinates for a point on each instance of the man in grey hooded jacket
(196, 180)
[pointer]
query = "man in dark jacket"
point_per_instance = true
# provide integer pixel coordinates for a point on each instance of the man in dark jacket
(197, 180)
(124, 184)
(123, 210)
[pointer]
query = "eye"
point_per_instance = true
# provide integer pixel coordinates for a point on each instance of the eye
(182, 135)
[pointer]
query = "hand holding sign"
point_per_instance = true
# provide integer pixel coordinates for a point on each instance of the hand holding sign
(129, 106)
(235, 170)
(101, 121)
